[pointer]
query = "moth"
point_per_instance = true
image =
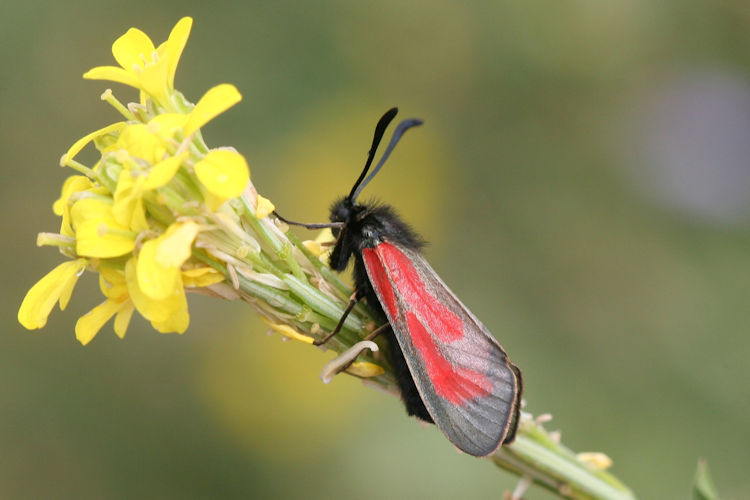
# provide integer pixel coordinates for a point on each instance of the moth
(451, 370)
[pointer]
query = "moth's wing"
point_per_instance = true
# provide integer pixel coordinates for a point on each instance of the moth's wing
(468, 384)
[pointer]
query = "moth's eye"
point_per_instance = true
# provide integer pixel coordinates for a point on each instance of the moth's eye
(336, 231)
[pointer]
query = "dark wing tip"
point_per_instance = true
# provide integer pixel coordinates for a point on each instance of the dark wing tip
(510, 434)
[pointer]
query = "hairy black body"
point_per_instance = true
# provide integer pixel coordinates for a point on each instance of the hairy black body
(365, 226)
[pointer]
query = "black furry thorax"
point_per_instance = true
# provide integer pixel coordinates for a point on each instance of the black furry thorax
(367, 225)
(372, 223)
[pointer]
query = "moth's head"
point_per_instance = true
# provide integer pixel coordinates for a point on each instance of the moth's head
(342, 210)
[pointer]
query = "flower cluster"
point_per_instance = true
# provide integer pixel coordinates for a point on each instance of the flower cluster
(128, 217)
(161, 213)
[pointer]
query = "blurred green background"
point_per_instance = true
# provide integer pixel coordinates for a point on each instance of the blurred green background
(583, 177)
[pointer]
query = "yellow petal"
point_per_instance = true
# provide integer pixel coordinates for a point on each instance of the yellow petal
(127, 208)
(175, 45)
(167, 124)
(133, 49)
(41, 298)
(138, 222)
(113, 74)
(167, 315)
(178, 321)
(97, 232)
(148, 307)
(214, 102)
(112, 273)
(153, 80)
(201, 277)
(595, 459)
(94, 238)
(365, 369)
(163, 172)
(265, 207)
(156, 281)
(224, 173)
(213, 202)
(122, 319)
(314, 247)
(81, 143)
(90, 323)
(160, 260)
(67, 291)
(128, 190)
(72, 184)
(288, 331)
(175, 245)
(90, 208)
(141, 143)
(325, 236)
(112, 283)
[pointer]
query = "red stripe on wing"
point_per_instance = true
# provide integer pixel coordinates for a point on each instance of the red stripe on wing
(457, 385)
(379, 279)
(445, 324)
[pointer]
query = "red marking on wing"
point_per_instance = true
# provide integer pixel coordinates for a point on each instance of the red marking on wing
(379, 278)
(455, 385)
(443, 322)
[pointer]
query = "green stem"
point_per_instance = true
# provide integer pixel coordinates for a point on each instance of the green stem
(321, 303)
(557, 469)
(331, 278)
(272, 296)
(324, 270)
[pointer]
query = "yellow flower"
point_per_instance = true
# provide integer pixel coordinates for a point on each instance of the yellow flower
(144, 66)
(56, 286)
(118, 219)
(147, 144)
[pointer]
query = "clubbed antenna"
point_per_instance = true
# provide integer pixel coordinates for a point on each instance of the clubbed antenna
(383, 123)
(397, 134)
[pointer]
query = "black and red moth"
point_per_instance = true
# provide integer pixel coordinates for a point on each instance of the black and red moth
(449, 367)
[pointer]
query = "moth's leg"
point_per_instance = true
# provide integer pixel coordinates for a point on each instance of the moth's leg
(378, 331)
(356, 297)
